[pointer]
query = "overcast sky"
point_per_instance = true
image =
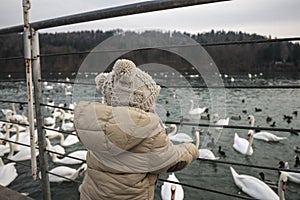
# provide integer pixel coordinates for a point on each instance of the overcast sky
(278, 18)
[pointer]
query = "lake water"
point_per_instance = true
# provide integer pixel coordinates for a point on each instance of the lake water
(273, 103)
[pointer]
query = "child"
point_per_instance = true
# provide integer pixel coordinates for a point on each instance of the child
(128, 146)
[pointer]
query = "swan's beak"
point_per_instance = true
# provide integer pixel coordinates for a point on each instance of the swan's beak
(283, 186)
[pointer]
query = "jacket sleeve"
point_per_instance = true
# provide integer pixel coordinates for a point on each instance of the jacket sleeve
(191, 153)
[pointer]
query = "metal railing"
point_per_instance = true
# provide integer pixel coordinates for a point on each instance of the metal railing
(32, 60)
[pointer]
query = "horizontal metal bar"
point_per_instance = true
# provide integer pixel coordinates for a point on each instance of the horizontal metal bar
(290, 130)
(205, 189)
(10, 101)
(59, 131)
(247, 165)
(130, 9)
(5, 121)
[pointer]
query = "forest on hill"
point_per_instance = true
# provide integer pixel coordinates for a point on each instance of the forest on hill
(59, 53)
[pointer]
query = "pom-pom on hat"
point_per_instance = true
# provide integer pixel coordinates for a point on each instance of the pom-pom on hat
(127, 85)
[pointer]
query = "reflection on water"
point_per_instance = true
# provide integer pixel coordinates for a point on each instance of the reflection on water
(274, 103)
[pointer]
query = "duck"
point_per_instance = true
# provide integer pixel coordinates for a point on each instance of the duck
(244, 146)
(297, 161)
(253, 186)
(80, 154)
(221, 152)
(67, 172)
(204, 153)
(236, 117)
(171, 191)
(196, 111)
(8, 173)
(297, 149)
(179, 137)
(270, 183)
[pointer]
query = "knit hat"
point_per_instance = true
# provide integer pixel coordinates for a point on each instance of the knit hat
(127, 85)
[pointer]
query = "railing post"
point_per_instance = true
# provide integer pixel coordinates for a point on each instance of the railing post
(43, 156)
(27, 58)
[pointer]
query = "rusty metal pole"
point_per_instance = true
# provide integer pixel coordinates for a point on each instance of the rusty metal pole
(43, 156)
(27, 58)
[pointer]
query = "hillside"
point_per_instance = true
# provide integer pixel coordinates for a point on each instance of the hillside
(272, 59)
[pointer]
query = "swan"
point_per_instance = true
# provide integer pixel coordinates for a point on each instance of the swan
(267, 137)
(204, 153)
(179, 137)
(282, 185)
(244, 146)
(171, 191)
(264, 135)
(293, 176)
(67, 172)
(65, 142)
(23, 154)
(66, 126)
(253, 186)
(67, 93)
(66, 115)
(81, 154)
(48, 121)
(8, 111)
(220, 122)
(56, 148)
(22, 137)
(196, 111)
(8, 173)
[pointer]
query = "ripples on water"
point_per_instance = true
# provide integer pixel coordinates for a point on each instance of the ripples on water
(273, 102)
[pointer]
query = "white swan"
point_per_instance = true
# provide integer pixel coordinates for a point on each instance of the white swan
(196, 111)
(293, 176)
(179, 137)
(242, 145)
(268, 137)
(253, 186)
(264, 135)
(23, 154)
(220, 122)
(66, 142)
(67, 172)
(8, 173)
(80, 154)
(69, 126)
(282, 185)
(204, 153)
(56, 148)
(171, 191)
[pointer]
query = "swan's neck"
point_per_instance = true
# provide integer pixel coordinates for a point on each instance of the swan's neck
(197, 134)
(62, 138)
(280, 190)
(63, 117)
(173, 132)
(11, 150)
(1, 162)
(191, 105)
(17, 133)
(13, 107)
(252, 122)
(249, 145)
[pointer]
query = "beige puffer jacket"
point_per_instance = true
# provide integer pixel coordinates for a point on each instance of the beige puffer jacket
(128, 148)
